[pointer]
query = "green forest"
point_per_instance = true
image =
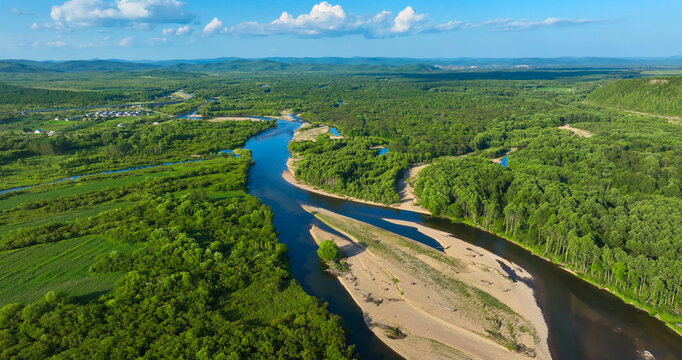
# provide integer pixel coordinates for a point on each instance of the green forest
(606, 206)
(178, 261)
(175, 261)
(660, 96)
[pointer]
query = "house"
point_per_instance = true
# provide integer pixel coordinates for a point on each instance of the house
(39, 131)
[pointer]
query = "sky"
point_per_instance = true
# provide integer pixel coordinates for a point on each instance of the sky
(195, 29)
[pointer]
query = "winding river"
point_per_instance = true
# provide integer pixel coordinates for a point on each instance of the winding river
(584, 321)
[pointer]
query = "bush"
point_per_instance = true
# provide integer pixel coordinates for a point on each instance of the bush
(328, 251)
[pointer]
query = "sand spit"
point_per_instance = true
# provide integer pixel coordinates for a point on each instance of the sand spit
(309, 132)
(429, 305)
(234, 118)
(499, 159)
(579, 132)
(407, 203)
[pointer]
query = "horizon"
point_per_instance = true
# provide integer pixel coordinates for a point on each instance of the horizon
(144, 30)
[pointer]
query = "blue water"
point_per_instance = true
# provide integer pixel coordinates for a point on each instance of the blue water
(503, 161)
(334, 131)
(383, 151)
(186, 116)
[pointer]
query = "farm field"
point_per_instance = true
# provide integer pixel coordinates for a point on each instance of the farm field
(30, 273)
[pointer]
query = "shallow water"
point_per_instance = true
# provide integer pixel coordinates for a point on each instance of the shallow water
(584, 322)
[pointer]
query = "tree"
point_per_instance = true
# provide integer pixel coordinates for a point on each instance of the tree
(328, 251)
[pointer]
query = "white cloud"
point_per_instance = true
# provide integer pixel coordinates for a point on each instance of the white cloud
(517, 25)
(126, 41)
(88, 45)
(214, 26)
(120, 12)
(21, 12)
(327, 20)
(182, 30)
(405, 20)
(57, 43)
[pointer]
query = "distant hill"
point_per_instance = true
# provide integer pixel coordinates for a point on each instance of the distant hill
(10, 67)
(661, 95)
(80, 65)
(338, 64)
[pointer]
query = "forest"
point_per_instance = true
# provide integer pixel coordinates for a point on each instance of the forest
(660, 96)
(185, 264)
(607, 206)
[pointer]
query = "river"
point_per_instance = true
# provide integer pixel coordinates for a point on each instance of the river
(584, 321)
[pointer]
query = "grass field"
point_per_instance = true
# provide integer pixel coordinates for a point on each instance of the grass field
(65, 217)
(31, 272)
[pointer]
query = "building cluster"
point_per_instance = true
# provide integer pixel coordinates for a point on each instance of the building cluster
(107, 114)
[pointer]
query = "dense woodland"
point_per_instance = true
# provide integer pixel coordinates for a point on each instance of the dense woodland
(207, 278)
(608, 206)
(659, 96)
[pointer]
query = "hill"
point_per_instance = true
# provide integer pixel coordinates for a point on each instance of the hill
(661, 96)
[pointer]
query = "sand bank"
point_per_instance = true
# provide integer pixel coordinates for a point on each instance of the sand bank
(233, 118)
(309, 132)
(440, 303)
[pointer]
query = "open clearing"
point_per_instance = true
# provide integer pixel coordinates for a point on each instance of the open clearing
(471, 303)
(579, 132)
(31, 272)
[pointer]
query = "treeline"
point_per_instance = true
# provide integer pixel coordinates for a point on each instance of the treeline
(349, 167)
(650, 95)
(608, 207)
(22, 98)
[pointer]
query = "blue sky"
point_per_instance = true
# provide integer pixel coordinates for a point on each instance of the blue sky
(187, 29)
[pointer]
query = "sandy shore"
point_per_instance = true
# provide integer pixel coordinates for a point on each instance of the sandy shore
(400, 283)
(307, 132)
(407, 202)
(579, 132)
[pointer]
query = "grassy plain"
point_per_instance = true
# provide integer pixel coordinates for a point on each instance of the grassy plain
(29, 273)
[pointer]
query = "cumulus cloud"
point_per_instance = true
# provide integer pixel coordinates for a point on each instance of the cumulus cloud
(120, 12)
(406, 20)
(214, 26)
(126, 41)
(327, 20)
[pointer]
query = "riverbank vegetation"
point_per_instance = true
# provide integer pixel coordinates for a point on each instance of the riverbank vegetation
(605, 206)
(175, 261)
